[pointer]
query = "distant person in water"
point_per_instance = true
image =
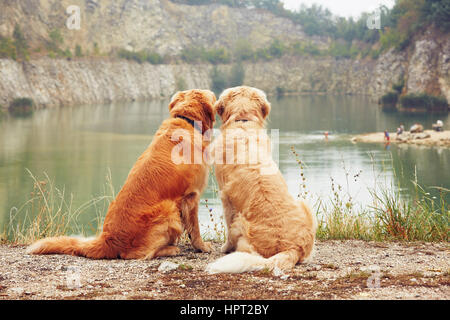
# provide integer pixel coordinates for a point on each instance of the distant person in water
(387, 138)
(326, 133)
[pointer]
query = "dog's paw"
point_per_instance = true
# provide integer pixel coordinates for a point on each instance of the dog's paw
(226, 248)
(206, 247)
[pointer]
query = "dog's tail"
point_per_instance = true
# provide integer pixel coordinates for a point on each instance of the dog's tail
(239, 262)
(90, 248)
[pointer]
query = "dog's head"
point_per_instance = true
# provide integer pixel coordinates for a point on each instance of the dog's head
(243, 103)
(197, 105)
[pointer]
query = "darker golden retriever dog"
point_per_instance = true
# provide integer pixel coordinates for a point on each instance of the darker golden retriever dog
(159, 197)
(266, 227)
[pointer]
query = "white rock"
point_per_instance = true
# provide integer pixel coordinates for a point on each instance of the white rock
(167, 266)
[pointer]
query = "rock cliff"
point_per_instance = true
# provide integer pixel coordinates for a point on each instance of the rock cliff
(167, 28)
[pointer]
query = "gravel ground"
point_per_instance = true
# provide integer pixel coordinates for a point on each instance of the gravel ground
(339, 270)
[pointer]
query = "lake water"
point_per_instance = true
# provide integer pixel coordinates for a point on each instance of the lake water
(78, 146)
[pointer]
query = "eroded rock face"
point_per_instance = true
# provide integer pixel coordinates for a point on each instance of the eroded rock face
(167, 28)
(390, 68)
(422, 67)
(158, 25)
(60, 82)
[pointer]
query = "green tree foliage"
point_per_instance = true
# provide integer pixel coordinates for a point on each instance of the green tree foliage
(237, 75)
(55, 43)
(243, 50)
(7, 48)
(199, 54)
(141, 56)
(221, 80)
(78, 51)
(423, 100)
(437, 12)
(20, 43)
(389, 98)
(218, 80)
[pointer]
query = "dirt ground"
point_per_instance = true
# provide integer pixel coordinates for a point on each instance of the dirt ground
(339, 270)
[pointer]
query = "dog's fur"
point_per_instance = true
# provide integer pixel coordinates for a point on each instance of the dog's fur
(266, 226)
(158, 199)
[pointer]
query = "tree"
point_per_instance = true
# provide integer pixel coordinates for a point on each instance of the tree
(20, 43)
(78, 51)
(237, 75)
(218, 80)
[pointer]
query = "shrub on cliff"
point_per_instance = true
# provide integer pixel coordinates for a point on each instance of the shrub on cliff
(54, 44)
(7, 48)
(198, 54)
(21, 107)
(218, 80)
(141, 56)
(20, 43)
(78, 51)
(390, 98)
(423, 100)
(237, 75)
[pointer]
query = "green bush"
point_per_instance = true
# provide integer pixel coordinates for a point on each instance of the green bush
(141, 56)
(217, 56)
(237, 75)
(20, 43)
(180, 84)
(280, 91)
(21, 107)
(277, 49)
(243, 50)
(78, 51)
(390, 98)
(305, 48)
(423, 100)
(7, 48)
(68, 53)
(219, 80)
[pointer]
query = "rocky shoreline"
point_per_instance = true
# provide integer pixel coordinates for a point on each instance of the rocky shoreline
(339, 270)
(426, 138)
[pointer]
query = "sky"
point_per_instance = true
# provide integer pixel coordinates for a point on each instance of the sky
(343, 8)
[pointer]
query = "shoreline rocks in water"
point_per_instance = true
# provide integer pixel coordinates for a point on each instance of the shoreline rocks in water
(427, 138)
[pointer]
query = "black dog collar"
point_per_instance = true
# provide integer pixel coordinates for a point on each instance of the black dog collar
(191, 122)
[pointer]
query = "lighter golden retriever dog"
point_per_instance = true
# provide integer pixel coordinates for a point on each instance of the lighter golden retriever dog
(267, 228)
(159, 197)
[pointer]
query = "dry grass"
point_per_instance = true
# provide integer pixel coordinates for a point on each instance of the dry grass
(391, 218)
(50, 212)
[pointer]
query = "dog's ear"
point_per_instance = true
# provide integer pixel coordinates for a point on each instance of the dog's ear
(219, 107)
(264, 103)
(177, 97)
(265, 109)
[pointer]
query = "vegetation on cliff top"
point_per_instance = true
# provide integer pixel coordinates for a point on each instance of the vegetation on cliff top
(406, 18)
(350, 38)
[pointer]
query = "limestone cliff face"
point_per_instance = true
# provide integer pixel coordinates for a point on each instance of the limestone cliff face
(60, 82)
(53, 82)
(158, 25)
(167, 28)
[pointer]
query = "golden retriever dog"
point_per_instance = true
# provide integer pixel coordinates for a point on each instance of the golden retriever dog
(159, 197)
(267, 228)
